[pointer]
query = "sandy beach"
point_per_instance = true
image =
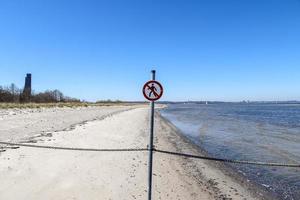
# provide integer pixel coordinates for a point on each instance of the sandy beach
(30, 173)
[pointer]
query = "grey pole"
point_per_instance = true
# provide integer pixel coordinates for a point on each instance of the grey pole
(150, 147)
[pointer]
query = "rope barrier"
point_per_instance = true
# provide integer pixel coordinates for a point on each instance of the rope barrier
(155, 150)
(71, 148)
(227, 160)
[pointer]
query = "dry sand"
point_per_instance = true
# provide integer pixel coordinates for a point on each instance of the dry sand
(29, 173)
(22, 123)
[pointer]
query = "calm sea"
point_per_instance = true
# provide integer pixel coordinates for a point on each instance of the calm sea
(256, 132)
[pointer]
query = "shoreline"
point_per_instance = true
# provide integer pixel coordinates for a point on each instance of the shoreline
(255, 189)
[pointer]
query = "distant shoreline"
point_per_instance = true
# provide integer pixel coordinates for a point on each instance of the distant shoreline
(230, 102)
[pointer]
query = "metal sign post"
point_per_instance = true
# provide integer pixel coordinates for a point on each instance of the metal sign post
(152, 91)
(150, 161)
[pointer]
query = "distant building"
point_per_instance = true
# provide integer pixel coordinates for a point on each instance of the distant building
(27, 87)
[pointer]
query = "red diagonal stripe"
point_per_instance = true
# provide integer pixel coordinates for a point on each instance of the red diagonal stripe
(155, 93)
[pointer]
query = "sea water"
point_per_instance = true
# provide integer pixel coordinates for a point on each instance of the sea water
(255, 132)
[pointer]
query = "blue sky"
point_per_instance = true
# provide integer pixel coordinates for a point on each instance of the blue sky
(202, 50)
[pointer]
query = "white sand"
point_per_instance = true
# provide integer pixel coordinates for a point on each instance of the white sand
(28, 173)
(19, 123)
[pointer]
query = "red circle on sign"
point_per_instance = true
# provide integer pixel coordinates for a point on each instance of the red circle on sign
(150, 85)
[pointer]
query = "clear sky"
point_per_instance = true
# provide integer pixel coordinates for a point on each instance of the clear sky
(228, 50)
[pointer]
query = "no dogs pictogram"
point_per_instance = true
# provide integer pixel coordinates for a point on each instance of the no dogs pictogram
(152, 90)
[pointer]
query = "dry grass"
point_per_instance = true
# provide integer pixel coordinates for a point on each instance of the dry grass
(50, 105)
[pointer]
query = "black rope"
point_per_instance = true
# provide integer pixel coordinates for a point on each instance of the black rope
(16, 145)
(227, 160)
(71, 148)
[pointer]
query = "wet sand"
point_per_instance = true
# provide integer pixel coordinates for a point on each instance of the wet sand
(29, 173)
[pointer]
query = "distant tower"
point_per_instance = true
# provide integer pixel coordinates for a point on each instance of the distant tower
(27, 88)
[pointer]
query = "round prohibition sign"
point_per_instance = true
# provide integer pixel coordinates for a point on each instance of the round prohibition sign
(152, 90)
